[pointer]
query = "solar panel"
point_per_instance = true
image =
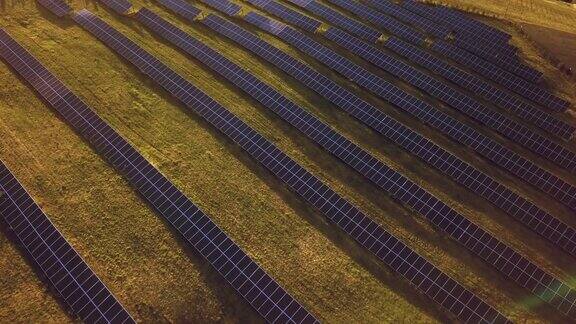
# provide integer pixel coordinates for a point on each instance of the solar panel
(460, 77)
(120, 6)
(257, 287)
(403, 260)
(487, 69)
(438, 89)
(483, 145)
(524, 211)
(461, 229)
(57, 7)
(79, 287)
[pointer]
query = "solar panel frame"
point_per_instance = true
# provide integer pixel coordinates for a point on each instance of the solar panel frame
(481, 66)
(257, 287)
(57, 7)
(67, 273)
(538, 220)
(461, 102)
(471, 236)
(306, 185)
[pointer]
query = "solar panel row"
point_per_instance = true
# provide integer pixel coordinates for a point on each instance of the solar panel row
(469, 81)
(529, 214)
(438, 89)
(506, 67)
(417, 270)
(458, 227)
(496, 50)
(57, 7)
(526, 170)
(469, 26)
(67, 272)
(259, 289)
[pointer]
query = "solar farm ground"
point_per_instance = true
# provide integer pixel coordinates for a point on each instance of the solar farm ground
(146, 265)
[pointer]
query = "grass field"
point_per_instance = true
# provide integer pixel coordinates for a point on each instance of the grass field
(152, 272)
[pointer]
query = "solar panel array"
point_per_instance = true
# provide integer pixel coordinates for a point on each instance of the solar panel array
(57, 7)
(505, 158)
(378, 18)
(259, 289)
(458, 227)
(471, 82)
(69, 275)
(417, 270)
(530, 215)
(438, 89)
(120, 6)
(468, 26)
(488, 52)
(487, 69)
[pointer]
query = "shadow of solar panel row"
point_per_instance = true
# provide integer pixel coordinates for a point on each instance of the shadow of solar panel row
(538, 220)
(504, 67)
(470, 27)
(57, 7)
(417, 270)
(67, 272)
(469, 81)
(120, 6)
(438, 89)
(235, 266)
(457, 226)
(485, 146)
(494, 50)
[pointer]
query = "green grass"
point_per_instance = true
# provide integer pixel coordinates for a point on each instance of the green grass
(148, 267)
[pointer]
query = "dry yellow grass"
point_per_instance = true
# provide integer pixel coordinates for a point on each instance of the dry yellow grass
(153, 273)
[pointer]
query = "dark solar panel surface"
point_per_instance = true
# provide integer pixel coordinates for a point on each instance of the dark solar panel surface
(438, 89)
(477, 85)
(120, 6)
(494, 151)
(69, 275)
(261, 291)
(518, 207)
(481, 66)
(57, 7)
(457, 226)
(416, 269)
